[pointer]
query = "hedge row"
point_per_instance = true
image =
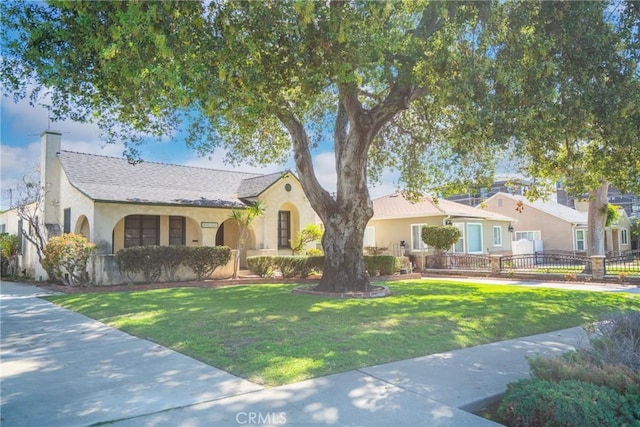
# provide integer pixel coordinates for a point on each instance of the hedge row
(152, 261)
(302, 266)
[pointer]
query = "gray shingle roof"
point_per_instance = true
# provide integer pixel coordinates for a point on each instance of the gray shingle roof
(103, 178)
(253, 187)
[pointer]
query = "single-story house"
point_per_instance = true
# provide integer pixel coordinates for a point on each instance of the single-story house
(397, 224)
(556, 226)
(117, 205)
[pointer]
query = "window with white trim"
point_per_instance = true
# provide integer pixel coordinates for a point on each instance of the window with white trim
(581, 240)
(416, 238)
(624, 238)
(497, 235)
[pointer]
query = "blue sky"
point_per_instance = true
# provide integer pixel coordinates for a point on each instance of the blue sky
(22, 124)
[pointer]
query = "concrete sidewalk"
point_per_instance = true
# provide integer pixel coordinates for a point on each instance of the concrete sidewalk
(60, 368)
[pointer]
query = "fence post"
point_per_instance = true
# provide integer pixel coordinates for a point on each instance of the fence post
(597, 267)
(495, 264)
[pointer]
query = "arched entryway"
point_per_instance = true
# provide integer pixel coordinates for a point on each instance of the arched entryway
(288, 225)
(82, 227)
(227, 235)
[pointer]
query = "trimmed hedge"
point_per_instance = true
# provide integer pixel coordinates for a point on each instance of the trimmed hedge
(535, 402)
(204, 260)
(261, 265)
(383, 265)
(302, 266)
(151, 261)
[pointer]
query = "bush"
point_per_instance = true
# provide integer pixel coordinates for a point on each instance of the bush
(289, 266)
(314, 252)
(385, 265)
(440, 237)
(205, 259)
(151, 261)
(263, 266)
(616, 340)
(171, 258)
(315, 263)
(66, 257)
(8, 248)
(573, 367)
(535, 402)
(144, 259)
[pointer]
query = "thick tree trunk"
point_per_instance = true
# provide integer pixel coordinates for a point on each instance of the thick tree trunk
(345, 215)
(597, 220)
(344, 268)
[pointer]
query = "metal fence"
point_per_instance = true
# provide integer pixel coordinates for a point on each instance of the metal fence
(458, 261)
(623, 263)
(547, 262)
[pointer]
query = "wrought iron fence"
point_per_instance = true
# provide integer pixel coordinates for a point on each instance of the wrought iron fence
(458, 261)
(547, 262)
(623, 263)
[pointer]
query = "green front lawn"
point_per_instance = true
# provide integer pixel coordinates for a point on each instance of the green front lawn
(269, 335)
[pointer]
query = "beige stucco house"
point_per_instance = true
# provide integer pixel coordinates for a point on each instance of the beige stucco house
(397, 224)
(116, 205)
(558, 227)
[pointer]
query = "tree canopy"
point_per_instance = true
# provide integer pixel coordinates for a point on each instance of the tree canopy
(436, 90)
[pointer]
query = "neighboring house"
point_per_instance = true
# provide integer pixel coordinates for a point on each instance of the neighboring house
(397, 225)
(558, 227)
(116, 205)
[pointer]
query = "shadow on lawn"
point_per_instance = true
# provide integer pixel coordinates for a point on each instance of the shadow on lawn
(269, 335)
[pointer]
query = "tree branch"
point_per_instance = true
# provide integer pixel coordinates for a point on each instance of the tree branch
(319, 198)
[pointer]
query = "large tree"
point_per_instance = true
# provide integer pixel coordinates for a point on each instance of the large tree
(410, 85)
(574, 106)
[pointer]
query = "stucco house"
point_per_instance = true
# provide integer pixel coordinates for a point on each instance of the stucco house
(558, 227)
(397, 224)
(116, 205)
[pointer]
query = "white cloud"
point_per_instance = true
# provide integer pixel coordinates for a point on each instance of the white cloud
(216, 161)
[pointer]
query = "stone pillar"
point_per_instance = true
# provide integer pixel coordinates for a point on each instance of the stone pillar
(495, 264)
(597, 267)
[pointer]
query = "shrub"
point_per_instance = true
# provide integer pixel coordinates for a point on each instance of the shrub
(289, 266)
(144, 259)
(263, 266)
(205, 259)
(616, 340)
(315, 263)
(67, 256)
(440, 237)
(314, 252)
(309, 234)
(534, 402)
(573, 367)
(384, 265)
(170, 258)
(8, 248)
